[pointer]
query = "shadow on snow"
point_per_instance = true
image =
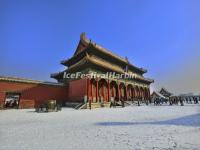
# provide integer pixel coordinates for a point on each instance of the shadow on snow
(191, 120)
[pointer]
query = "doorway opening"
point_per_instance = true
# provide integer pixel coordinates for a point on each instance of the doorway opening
(12, 100)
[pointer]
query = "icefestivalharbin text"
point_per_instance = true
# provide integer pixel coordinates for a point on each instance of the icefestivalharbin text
(113, 75)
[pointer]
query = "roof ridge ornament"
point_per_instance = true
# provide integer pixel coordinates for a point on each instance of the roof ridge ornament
(126, 58)
(84, 39)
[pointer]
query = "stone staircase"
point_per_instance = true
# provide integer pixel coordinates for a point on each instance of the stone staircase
(103, 105)
(98, 105)
(128, 103)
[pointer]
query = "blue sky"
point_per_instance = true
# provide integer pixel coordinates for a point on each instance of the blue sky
(161, 36)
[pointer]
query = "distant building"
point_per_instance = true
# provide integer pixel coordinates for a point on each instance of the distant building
(157, 95)
(163, 94)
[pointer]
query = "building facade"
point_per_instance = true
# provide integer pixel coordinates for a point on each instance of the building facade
(89, 58)
(25, 93)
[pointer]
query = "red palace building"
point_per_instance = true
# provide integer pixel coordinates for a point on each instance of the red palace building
(111, 78)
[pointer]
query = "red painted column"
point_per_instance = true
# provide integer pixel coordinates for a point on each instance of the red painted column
(91, 91)
(108, 90)
(137, 91)
(97, 90)
(148, 93)
(88, 89)
(127, 93)
(134, 90)
(142, 94)
(103, 89)
(118, 90)
(2, 99)
(131, 92)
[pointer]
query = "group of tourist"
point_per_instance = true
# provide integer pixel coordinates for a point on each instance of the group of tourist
(13, 103)
(175, 100)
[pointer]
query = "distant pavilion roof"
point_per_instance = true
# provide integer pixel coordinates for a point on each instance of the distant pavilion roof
(166, 91)
(158, 94)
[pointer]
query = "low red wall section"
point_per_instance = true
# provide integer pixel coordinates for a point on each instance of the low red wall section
(2, 98)
(77, 90)
(33, 94)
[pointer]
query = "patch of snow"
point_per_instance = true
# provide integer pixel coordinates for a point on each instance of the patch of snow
(139, 128)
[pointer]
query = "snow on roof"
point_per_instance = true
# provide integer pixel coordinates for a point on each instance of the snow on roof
(166, 91)
(160, 95)
(23, 80)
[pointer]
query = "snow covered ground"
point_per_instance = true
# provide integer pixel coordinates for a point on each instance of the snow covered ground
(135, 128)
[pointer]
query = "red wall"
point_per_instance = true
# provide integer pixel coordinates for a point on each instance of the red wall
(77, 90)
(33, 94)
(2, 98)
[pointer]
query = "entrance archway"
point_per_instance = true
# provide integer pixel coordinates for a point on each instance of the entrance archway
(103, 90)
(141, 93)
(12, 100)
(122, 89)
(113, 90)
(93, 89)
(129, 92)
(137, 92)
